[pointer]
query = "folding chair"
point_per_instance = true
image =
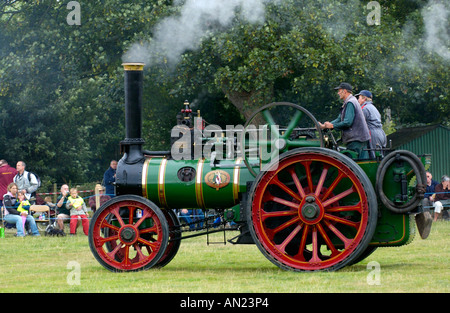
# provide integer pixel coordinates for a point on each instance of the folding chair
(41, 209)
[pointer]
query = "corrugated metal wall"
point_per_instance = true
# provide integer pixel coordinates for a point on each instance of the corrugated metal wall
(436, 143)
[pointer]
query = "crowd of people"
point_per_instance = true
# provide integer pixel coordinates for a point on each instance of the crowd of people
(18, 193)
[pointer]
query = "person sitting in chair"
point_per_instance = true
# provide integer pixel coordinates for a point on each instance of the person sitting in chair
(13, 216)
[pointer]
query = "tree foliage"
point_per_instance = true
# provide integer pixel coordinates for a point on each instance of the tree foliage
(61, 93)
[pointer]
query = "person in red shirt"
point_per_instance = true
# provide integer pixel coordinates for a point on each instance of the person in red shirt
(102, 198)
(7, 174)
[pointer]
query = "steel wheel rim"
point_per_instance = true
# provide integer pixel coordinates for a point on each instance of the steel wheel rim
(312, 235)
(125, 239)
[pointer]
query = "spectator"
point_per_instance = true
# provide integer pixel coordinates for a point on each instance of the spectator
(62, 213)
(77, 211)
(441, 197)
(378, 138)
(26, 182)
(48, 202)
(431, 185)
(428, 200)
(24, 207)
(7, 174)
(102, 199)
(109, 178)
(355, 133)
(15, 217)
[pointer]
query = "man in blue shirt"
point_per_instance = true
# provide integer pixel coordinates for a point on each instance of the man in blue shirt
(431, 185)
(109, 178)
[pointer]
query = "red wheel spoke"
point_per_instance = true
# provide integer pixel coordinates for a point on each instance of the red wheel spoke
(345, 208)
(144, 216)
(286, 189)
(153, 229)
(342, 221)
(102, 241)
(315, 247)
(117, 215)
(332, 186)
(327, 239)
(285, 202)
(308, 174)
(126, 262)
(297, 183)
(302, 246)
(139, 253)
(112, 254)
(130, 217)
(285, 225)
(288, 239)
(344, 239)
(321, 180)
(265, 215)
(338, 197)
(108, 225)
(154, 246)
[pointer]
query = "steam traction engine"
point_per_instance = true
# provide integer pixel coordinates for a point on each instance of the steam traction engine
(290, 190)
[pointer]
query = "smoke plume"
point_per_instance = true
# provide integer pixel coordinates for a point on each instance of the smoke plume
(197, 20)
(435, 17)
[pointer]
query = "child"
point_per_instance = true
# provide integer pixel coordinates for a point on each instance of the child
(49, 203)
(24, 207)
(77, 209)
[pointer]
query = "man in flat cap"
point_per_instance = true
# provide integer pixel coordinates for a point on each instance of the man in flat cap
(351, 121)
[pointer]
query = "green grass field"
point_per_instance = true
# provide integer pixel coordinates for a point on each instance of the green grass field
(65, 264)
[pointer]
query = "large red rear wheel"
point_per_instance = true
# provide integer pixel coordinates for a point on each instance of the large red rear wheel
(128, 233)
(315, 209)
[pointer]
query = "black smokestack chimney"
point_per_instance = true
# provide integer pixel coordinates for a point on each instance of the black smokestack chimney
(132, 145)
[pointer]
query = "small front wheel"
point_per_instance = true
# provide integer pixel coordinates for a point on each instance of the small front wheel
(128, 233)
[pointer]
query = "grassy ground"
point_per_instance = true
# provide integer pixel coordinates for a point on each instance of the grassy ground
(52, 264)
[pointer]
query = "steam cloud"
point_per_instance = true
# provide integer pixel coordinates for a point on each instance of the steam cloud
(198, 19)
(437, 39)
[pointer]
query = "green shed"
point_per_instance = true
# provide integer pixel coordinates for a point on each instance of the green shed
(432, 139)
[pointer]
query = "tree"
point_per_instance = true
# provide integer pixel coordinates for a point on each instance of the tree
(304, 48)
(61, 88)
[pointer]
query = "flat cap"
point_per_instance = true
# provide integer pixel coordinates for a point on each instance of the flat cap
(346, 86)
